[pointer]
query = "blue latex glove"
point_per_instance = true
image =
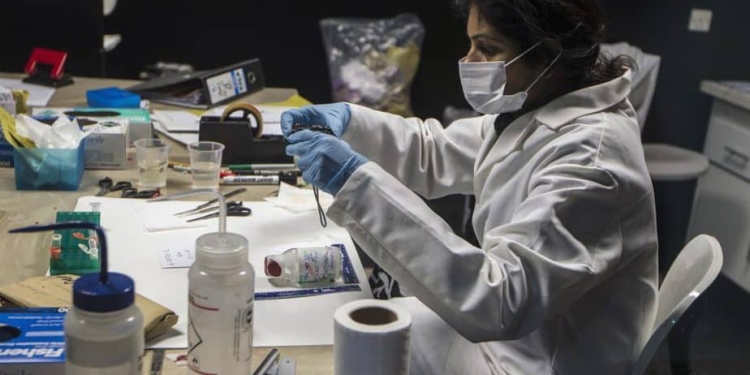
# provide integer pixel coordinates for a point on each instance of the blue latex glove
(336, 116)
(325, 161)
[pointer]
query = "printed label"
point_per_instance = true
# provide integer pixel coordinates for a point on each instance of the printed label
(220, 330)
(317, 265)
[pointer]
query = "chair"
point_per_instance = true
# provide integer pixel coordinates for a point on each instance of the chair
(695, 268)
(664, 162)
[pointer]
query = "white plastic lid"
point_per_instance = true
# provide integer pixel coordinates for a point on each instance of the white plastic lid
(221, 250)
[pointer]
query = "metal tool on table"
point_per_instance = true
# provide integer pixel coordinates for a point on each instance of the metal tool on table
(157, 361)
(140, 194)
(274, 365)
(234, 208)
(212, 202)
(106, 186)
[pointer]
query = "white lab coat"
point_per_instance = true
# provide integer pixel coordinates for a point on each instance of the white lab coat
(565, 281)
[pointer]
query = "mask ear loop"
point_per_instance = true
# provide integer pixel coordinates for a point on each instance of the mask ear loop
(544, 72)
(524, 53)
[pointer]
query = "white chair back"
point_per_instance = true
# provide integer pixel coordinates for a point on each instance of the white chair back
(695, 268)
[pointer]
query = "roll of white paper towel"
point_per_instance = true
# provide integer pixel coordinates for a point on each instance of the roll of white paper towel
(371, 337)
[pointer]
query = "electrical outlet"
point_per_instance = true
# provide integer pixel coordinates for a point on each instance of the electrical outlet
(700, 20)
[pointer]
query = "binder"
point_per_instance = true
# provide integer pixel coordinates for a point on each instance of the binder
(205, 89)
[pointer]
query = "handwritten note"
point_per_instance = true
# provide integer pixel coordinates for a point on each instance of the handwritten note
(176, 257)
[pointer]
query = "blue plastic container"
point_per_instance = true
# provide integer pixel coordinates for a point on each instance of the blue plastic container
(112, 97)
(49, 169)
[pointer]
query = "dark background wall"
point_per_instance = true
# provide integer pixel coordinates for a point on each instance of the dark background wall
(285, 34)
(679, 114)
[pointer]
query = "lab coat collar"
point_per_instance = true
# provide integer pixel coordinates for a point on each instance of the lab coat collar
(585, 101)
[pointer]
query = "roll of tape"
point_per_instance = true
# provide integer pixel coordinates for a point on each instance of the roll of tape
(247, 109)
(371, 337)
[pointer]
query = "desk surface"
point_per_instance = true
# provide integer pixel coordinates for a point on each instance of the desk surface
(24, 256)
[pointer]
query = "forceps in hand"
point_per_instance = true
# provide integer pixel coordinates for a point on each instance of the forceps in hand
(233, 209)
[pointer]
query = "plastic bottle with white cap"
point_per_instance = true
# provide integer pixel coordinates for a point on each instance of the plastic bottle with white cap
(221, 288)
(104, 328)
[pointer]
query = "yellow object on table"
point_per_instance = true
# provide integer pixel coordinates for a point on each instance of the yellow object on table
(8, 124)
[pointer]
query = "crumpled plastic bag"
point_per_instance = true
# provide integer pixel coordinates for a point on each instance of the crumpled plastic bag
(372, 62)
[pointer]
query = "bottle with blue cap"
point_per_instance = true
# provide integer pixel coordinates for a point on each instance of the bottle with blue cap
(104, 328)
(221, 295)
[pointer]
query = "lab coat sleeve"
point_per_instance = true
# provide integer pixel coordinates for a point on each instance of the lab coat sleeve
(563, 239)
(429, 159)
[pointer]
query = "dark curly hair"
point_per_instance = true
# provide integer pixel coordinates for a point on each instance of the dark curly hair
(529, 21)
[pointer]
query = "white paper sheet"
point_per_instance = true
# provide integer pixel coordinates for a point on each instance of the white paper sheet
(178, 121)
(183, 138)
(39, 96)
(161, 218)
(176, 256)
(281, 322)
(295, 199)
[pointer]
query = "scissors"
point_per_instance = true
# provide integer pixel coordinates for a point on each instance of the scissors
(106, 185)
(131, 192)
(233, 209)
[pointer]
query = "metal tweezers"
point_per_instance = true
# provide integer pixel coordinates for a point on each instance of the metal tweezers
(234, 208)
(211, 202)
(274, 365)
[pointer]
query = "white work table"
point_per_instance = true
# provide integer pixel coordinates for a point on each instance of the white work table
(26, 255)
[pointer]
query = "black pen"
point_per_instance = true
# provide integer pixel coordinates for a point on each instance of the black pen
(271, 359)
(256, 172)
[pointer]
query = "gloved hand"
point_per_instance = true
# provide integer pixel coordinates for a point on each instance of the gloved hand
(325, 161)
(336, 116)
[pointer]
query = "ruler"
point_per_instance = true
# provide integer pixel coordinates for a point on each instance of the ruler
(348, 275)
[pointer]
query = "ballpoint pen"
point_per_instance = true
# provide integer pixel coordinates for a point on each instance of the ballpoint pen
(262, 166)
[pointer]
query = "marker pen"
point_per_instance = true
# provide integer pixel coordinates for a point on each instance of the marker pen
(180, 168)
(263, 172)
(250, 180)
(262, 166)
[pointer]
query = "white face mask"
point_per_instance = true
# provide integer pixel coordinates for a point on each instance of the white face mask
(484, 85)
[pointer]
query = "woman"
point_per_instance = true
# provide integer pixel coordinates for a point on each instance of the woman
(565, 280)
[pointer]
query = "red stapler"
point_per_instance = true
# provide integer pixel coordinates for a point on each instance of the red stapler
(45, 67)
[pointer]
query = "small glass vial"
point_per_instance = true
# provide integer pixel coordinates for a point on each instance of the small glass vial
(304, 265)
(221, 286)
(55, 250)
(104, 328)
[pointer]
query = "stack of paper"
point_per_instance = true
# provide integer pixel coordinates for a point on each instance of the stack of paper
(39, 96)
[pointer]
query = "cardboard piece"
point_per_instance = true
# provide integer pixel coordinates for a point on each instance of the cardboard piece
(57, 291)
